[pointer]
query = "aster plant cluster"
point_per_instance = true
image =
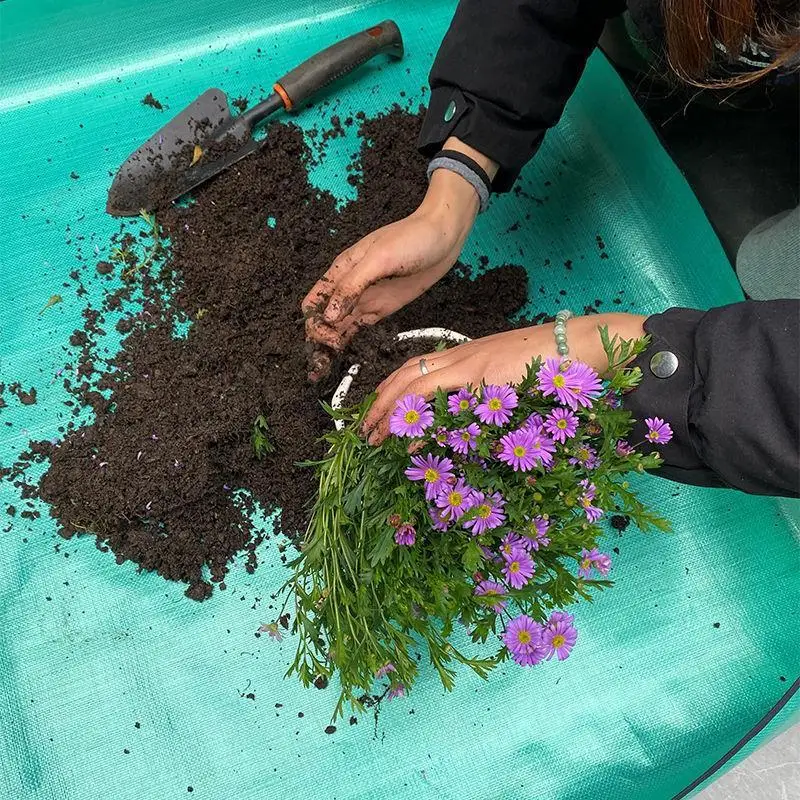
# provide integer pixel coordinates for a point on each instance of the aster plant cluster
(478, 519)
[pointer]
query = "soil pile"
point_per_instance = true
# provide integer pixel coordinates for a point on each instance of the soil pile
(157, 476)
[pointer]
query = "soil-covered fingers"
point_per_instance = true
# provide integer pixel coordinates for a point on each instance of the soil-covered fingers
(316, 301)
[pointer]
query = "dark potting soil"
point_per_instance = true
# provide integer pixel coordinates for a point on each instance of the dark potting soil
(156, 476)
(149, 100)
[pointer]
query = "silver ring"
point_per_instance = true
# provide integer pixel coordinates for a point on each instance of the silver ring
(423, 366)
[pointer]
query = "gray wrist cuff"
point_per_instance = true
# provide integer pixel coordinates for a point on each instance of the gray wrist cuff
(469, 175)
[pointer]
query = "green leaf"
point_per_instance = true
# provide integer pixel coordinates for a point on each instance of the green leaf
(472, 557)
(54, 300)
(382, 548)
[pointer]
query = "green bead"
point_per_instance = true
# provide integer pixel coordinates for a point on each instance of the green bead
(450, 111)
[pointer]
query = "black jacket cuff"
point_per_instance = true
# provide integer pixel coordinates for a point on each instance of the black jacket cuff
(482, 125)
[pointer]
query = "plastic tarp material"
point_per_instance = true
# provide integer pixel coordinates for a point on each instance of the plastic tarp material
(697, 642)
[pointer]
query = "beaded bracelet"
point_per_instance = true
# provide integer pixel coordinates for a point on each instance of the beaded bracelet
(560, 331)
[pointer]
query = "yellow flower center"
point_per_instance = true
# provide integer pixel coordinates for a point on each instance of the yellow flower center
(463, 405)
(455, 498)
(513, 566)
(586, 563)
(484, 511)
(431, 475)
(558, 641)
(495, 404)
(653, 435)
(559, 382)
(562, 423)
(411, 416)
(465, 436)
(519, 451)
(583, 454)
(492, 593)
(585, 502)
(524, 637)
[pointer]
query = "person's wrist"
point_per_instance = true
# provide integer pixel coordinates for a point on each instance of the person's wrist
(450, 201)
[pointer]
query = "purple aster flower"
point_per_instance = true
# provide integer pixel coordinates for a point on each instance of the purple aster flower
(586, 457)
(573, 385)
(519, 568)
(405, 535)
(624, 449)
(537, 534)
(658, 431)
(488, 512)
(492, 590)
(603, 564)
(411, 416)
(464, 439)
(592, 513)
(560, 616)
(523, 638)
(516, 450)
(593, 559)
(583, 384)
(396, 691)
(498, 403)
(559, 637)
(463, 400)
(561, 424)
(435, 471)
(512, 541)
(385, 670)
(440, 437)
(552, 379)
(455, 500)
(534, 424)
(543, 449)
(586, 563)
(438, 519)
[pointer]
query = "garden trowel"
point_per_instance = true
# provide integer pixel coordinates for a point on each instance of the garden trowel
(205, 138)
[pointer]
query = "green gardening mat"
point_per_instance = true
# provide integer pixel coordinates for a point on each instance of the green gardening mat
(114, 685)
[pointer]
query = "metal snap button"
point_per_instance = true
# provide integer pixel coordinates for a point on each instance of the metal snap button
(664, 364)
(450, 111)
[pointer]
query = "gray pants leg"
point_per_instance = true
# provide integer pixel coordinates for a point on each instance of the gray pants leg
(768, 261)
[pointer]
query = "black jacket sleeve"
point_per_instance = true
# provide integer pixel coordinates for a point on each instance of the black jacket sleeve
(734, 400)
(504, 73)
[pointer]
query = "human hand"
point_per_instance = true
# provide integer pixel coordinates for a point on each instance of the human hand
(497, 359)
(391, 266)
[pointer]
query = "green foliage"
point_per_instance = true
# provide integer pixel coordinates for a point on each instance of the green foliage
(259, 438)
(362, 601)
(133, 261)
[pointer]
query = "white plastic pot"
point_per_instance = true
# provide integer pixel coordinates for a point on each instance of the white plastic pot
(436, 334)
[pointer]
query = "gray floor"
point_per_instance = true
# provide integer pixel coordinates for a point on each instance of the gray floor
(771, 773)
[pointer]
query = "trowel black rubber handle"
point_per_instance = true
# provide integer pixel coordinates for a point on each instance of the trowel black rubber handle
(338, 60)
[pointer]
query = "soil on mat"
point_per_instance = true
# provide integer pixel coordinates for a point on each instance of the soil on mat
(165, 474)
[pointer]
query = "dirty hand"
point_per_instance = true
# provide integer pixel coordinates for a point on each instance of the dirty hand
(388, 268)
(394, 265)
(500, 358)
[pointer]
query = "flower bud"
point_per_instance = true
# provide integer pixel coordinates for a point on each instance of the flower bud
(394, 520)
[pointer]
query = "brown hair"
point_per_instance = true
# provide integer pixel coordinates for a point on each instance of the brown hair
(693, 27)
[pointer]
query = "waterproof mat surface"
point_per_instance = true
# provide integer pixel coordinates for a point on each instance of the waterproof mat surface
(115, 685)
